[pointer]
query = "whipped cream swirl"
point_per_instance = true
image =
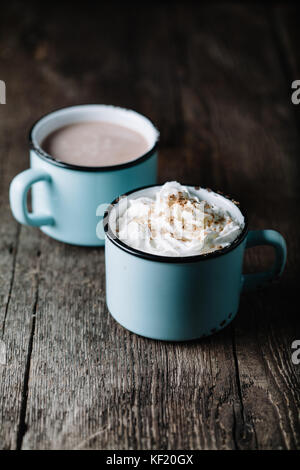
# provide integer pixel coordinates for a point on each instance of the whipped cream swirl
(175, 222)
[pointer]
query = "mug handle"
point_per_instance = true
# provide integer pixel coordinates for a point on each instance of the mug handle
(18, 197)
(265, 237)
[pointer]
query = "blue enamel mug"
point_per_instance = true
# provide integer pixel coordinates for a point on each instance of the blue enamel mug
(182, 298)
(68, 200)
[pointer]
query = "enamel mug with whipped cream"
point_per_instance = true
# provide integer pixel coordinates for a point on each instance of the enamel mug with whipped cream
(68, 198)
(174, 257)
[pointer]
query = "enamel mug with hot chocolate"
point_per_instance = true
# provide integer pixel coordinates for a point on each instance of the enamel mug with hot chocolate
(179, 298)
(68, 201)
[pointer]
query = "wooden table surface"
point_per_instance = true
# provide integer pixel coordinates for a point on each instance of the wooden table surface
(216, 79)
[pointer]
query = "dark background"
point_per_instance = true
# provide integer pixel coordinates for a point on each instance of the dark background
(216, 79)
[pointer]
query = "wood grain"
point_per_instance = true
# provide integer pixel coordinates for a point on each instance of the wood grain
(213, 79)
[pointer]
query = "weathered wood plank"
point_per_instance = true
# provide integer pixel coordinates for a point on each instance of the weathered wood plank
(249, 129)
(121, 391)
(18, 253)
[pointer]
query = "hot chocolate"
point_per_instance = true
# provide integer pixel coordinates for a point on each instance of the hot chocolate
(95, 144)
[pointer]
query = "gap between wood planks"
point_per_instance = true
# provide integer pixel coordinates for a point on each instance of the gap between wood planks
(22, 427)
(22, 422)
(12, 276)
